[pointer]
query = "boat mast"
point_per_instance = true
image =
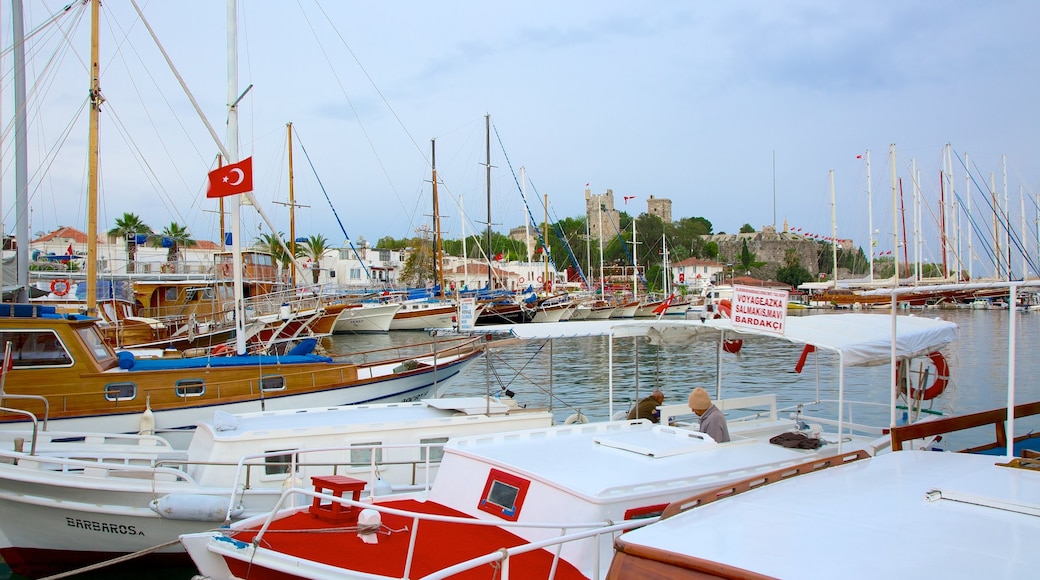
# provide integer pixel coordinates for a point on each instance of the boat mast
(1007, 216)
(487, 144)
(635, 262)
(916, 202)
(834, 229)
(545, 237)
(967, 203)
(234, 204)
(437, 262)
(92, 164)
(588, 243)
(870, 219)
(895, 218)
(292, 211)
(599, 237)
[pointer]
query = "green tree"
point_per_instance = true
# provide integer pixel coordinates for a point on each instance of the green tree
(173, 238)
(792, 271)
(747, 259)
(747, 229)
(314, 248)
(275, 245)
(128, 227)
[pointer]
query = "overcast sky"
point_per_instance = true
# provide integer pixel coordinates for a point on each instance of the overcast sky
(736, 111)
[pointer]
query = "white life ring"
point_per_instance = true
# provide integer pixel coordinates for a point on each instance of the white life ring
(520, 279)
(576, 418)
(539, 280)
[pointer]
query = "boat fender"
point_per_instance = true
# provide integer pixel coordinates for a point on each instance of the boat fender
(576, 418)
(192, 507)
(942, 378)
(732, 345)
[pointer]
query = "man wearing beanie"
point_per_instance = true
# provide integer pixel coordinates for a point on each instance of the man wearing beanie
(713, 422)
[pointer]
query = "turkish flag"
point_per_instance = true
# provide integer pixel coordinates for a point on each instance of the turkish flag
(231, 179)
(70, 251)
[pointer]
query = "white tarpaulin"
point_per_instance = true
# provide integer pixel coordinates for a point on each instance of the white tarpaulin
(861, 338)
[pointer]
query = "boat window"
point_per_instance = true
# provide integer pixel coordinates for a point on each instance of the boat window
(278, 464)
(436, 449)
(35, 348)
(504, 495)
(171, 295)
(272, 383)
(190, 388)
(363, 457)
(95, 343)
(120, 391)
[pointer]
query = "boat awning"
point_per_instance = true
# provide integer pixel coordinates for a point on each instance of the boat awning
(861, 338)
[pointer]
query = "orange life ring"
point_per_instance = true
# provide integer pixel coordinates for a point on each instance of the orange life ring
(60, 287)
(220, 350)
(732, 345)
(725, 308)
(942, 378)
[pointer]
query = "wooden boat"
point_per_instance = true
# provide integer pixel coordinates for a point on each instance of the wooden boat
(234, 467)
(67, 376)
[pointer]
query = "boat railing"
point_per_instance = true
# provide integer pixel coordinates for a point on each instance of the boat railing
(31, 416)
(995, 417)
(761, 407)
(246, 463)
(587, 530)
(452, 346)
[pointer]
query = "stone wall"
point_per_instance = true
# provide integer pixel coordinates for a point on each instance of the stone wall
(770, 247)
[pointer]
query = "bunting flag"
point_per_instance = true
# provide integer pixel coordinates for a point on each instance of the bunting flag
(628, 197)
(231, 179)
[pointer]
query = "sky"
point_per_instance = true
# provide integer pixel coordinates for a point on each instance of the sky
(736, 111)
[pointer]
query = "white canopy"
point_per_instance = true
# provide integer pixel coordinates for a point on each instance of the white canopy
(860, 338)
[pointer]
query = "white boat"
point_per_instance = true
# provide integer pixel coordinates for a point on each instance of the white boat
(366, 317)
(968, 514)
(626, 310)
(138, 492)
(517, 500)
(423, 314)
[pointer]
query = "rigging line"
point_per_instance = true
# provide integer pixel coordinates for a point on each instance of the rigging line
(64, 11)
(334, 214)
(1002, 220)
(521, 190)
(364, 131)
(556, 226)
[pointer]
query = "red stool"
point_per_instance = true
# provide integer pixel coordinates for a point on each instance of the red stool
(337, 485)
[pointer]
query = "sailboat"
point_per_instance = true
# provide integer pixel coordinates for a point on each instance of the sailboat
(62, 374)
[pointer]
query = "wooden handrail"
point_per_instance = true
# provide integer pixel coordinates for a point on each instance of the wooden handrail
(995, 417)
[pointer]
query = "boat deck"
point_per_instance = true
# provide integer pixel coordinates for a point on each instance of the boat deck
(438, 545)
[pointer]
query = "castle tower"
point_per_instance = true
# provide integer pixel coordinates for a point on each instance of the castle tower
(601, 207)
(660, 207)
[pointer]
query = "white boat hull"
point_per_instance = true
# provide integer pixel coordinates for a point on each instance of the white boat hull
(368, 318)
(424, 315)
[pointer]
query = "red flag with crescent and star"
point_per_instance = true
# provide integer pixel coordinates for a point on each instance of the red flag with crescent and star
(231, 179)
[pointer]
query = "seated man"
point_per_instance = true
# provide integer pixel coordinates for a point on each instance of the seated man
(647, 408)
(713, 422)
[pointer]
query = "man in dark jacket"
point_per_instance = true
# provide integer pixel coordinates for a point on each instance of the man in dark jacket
(647, 408)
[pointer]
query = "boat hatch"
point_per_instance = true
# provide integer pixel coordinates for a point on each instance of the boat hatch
(468, 405)
(658, 442)
(504, 495)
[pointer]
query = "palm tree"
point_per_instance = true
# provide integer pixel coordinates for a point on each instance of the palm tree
(173, 237)
(128, 228)
(274, 245)
(314, 248)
